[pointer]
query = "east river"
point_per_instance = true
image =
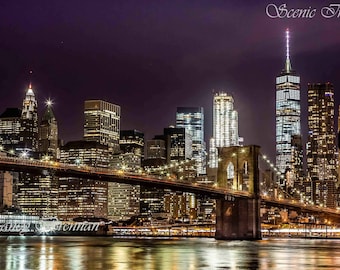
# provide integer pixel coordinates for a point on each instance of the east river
(57, 252)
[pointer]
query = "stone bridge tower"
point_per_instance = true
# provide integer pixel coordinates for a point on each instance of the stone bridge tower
(238, 217)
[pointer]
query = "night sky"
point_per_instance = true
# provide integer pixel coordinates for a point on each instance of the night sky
(151, 57)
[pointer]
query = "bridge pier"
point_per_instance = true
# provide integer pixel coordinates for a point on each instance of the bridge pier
(238, 217)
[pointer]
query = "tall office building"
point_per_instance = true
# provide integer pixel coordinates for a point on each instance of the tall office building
(287, 112)
(102, 123)
(48, 133)
(295, 177)
(151, 198)
(132, 141)
(321, 146)
(192, 119)
(10, 123)
(36, 195)
(81, 197)
(178, 144)
(123, 199)
(155, 152)
(29, 124)
(225, 126)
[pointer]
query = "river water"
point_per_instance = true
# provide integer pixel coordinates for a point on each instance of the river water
(56, 252)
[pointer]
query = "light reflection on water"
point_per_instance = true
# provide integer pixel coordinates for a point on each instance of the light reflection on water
(175, 254)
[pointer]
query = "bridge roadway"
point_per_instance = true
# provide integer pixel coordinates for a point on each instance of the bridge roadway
(109, 175)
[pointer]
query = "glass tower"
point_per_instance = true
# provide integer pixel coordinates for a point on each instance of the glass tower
(192, 119)
(225, 126)
(287, 112)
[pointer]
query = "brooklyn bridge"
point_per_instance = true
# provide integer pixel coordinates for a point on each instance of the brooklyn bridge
(238, 200)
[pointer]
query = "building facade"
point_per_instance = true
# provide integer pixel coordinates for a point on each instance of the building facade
(28, 144)
(48, 134)
(124, 199)
(225, 126)
(102, 123)
(295, 177)
(178, 144)
(80, 197)
(36, 194)
(132, 141)
(10, 125)
(155, 152)
(192, 119)
(321, 146)
(288, 112)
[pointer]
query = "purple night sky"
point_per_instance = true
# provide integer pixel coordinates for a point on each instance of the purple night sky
(150, 57)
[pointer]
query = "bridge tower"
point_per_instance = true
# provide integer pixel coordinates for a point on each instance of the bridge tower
(238, 217)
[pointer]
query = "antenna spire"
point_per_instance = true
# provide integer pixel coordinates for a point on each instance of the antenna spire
(288, 65)
(30, 85)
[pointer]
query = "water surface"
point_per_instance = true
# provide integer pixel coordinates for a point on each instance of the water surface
(47, 252)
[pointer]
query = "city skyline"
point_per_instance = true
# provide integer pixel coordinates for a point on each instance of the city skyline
(193, 49)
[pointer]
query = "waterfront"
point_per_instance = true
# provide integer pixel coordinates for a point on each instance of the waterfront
(56, 252)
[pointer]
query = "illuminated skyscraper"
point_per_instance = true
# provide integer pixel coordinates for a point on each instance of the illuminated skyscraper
(192, 119)
(123, 199)
(178, 144)
(321, 147)
(81, 197)
(287, 112)
(102, 123)
(10, 123)
(48, 133)
(36, 195)
(225, 126)
(29, 123)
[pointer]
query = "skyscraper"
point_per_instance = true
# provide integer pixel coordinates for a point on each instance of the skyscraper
(123, 199)
(48, 133)
(192, 119)
(29, 124)
(155, 152)
(36, 195)
(10, 123)
(81, 197)
(178, 144)
(287, 112)
(321, 147)
(132, 141)
(102, 123)
(225, 126)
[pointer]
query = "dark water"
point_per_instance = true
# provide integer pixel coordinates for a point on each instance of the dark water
(189, 254)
